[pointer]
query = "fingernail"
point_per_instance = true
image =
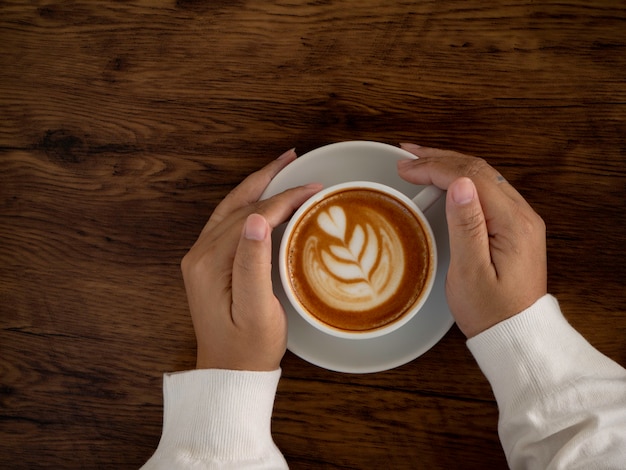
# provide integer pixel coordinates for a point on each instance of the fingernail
(255, 228)
(463, 191)
(410, 147)
(288, 154)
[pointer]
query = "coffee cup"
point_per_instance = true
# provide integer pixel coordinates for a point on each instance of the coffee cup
(358, 259)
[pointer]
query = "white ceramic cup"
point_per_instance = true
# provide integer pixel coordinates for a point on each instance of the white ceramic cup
(418, 205)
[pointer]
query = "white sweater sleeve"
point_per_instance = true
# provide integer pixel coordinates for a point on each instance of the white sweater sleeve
(218, 419)
(562, 403)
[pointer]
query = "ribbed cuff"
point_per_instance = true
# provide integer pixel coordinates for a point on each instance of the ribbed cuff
(533, 353)
(219, 416)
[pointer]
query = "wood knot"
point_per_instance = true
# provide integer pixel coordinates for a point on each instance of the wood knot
(62, 146)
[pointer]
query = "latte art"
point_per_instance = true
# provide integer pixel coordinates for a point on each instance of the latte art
(353, 270)
(358, 260)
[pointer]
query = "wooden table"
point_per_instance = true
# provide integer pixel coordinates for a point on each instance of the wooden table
(123, 124)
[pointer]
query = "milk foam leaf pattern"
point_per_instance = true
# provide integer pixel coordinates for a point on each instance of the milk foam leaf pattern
(354, 258)
(356, 242)
(347, 271)
(342, 252)
(370, 254)
(353, 265)
(333, 222)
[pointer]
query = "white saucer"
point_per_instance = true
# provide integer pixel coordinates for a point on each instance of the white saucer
(369, 161)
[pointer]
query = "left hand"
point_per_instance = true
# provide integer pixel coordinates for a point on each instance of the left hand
(239, 323)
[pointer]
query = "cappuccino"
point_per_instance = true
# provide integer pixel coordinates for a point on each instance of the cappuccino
(359, 260)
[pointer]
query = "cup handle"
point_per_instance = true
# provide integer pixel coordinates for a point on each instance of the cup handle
(427, 197)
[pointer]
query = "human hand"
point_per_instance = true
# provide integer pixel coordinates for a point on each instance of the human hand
(239, 323)
(497, 241)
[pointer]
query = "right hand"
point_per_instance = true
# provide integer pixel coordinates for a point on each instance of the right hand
(497, 241)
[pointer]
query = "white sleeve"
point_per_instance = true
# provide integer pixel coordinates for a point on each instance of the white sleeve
(218, 419)
(562, 403)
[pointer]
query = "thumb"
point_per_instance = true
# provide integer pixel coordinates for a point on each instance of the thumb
(252, 294)
(469, 239)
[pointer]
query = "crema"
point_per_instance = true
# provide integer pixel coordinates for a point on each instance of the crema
(359, 259)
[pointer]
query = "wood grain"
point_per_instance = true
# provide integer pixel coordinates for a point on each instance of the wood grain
(123, 124)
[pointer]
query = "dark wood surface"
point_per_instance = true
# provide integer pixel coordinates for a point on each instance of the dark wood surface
(123, 124)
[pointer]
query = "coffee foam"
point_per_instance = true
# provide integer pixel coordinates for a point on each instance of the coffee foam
(361, 262)
(353, 270)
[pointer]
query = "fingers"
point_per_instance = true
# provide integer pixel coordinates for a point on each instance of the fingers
(238, 321)
(256, 314)
(252, 270)
(469, 238)
(250, 189)
(275, 210)
(471, 267)
(442, 167)
(218, 246)
(280, 207)
(497, 241)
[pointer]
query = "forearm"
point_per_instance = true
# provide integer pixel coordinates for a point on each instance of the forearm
(218, 419)
(562, 403)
